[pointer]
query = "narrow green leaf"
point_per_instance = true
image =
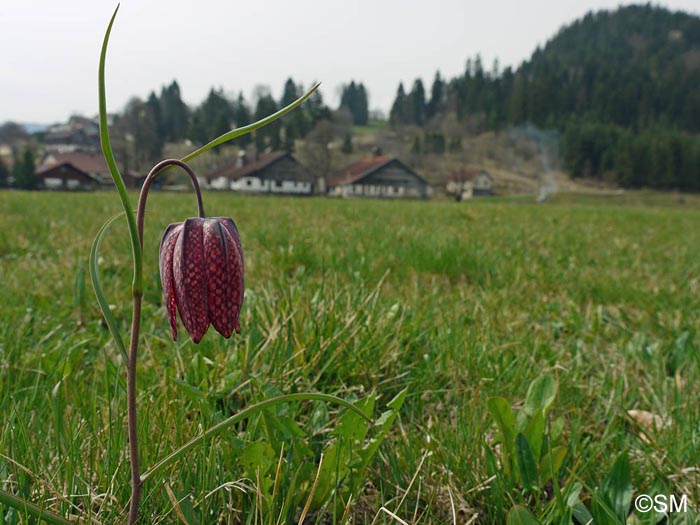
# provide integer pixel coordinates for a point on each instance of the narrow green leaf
(37, 512)
(238, 132)
(556, 430)
(244, 414)
(535, 434)
(616, 489)
(526, 463)
(551, 463)
(541, 394)
(385, 421)
(191, 391)
(352, 426)
(521, 516)
(101, 300)
(582, 514)
(112, 165)
(350, 432)
(505, 420)
(257, 457)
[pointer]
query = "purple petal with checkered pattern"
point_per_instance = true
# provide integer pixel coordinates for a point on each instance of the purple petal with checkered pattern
(190, 278)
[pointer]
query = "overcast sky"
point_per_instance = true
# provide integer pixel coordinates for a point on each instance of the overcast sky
(49, 49)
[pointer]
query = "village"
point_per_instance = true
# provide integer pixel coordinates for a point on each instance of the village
(72, 161)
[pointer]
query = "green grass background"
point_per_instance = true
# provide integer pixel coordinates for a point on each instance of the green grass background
(456, 302)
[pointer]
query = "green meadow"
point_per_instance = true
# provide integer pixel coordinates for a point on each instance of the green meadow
(542, 362)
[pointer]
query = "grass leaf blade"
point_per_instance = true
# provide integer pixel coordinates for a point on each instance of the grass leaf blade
(37, 512)
(244, 414)
(99, 293)
(112, 165)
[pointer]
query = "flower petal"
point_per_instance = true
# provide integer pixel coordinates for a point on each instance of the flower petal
(236, 270)
(165, 262)
(190, 278)
(222, 263)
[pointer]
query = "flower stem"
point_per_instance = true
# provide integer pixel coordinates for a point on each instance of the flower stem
(136, 482)
(131, 408)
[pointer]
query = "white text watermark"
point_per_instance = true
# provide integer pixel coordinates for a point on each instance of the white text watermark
(661, 503)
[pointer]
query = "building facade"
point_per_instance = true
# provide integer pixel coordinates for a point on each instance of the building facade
(380, 177)
(277, 172)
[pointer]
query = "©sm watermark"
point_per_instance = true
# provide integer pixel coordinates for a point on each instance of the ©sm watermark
(661, 503)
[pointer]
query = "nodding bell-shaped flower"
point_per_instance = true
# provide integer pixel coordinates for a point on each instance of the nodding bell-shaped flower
(201, 270)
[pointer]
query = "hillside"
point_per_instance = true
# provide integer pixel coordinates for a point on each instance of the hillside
(633, 67)
(619, 87)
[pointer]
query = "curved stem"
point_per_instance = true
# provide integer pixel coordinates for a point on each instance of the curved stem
(140, 212)
(134, 340)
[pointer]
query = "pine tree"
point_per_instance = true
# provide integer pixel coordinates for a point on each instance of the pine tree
(294, 125)
(316, 108)
(23, 171)
(354, 97)
(361, 106)
(417, 103)
(267, 136)
(155, 107)
(399, 110)
(211, 118)
(175, 114)
(436, 104)
(290, 93)
(241, 117)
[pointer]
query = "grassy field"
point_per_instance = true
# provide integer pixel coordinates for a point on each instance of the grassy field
(463, 305)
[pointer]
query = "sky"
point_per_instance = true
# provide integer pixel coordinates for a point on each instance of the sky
(49, 50)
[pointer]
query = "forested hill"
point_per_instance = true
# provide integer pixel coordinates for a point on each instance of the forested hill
(635, 67)
(622, 87)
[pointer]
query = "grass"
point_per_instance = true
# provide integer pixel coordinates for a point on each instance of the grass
(457, 303)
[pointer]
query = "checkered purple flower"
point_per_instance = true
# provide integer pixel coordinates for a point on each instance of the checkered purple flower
(201, 270)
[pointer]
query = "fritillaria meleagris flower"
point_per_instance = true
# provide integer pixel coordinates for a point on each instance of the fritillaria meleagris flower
(201, 270)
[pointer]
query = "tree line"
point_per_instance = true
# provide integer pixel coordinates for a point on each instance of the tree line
(621, 87)
(144, 126)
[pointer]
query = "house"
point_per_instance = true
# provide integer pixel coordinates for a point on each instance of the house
(79, 133)
(94, 165)
(64, 176)
(470, 183)
(275, 172)
(381, 177)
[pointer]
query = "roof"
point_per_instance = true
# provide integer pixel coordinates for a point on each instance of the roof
(91, 163)
(232, 171)
(87, 162)
(365, 167)
(466, 175)
(58, 170)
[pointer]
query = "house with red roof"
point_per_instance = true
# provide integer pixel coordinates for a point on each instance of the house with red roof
(469, 183)
(379, 177)
(275, 172)
(92, 164)
(64, 176)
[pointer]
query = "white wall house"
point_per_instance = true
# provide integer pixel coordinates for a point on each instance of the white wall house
(470, 183)
(277, 172)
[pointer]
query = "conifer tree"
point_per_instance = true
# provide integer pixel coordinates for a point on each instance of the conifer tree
(436, 104)
(417, 103)
(399, 115)
(174, 112)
